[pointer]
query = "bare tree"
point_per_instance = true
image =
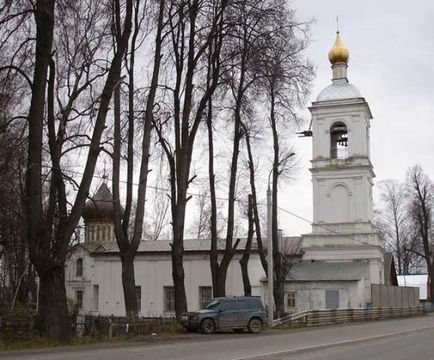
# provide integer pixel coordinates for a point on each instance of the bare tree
(421, 192)
(287, 78)
(127, 244)
(252, 178)
(17, 279)
(395, 225)
(239, 49)
(61, 61)
(251, 22)
(194, 26)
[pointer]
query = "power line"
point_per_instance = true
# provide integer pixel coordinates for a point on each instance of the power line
(157, 188)
(345, 236)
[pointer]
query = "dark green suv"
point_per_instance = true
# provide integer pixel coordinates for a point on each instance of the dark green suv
(237, 313)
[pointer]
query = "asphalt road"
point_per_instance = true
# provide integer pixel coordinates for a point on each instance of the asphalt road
(393, 339)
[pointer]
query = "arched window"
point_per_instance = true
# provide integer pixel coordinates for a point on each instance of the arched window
(79, 267)
(339, 141)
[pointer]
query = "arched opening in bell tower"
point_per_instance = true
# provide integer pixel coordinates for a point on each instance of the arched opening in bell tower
(338, 141)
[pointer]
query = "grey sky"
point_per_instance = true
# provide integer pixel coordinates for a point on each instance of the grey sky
(391, 62)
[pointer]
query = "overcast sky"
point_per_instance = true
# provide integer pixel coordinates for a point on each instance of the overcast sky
(391, 62)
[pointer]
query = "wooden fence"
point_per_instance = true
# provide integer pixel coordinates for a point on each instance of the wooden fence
(339, 316)
(394, 296)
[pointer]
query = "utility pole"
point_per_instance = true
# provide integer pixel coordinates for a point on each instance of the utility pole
(270, 257)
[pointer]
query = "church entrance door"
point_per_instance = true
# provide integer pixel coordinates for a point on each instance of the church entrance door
(332, 299)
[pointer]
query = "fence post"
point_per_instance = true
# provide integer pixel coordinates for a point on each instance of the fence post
(110, 331)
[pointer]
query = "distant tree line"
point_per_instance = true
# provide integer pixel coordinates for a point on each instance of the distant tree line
(404, 218)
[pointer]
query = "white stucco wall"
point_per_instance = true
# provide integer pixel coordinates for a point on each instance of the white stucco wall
(152, 272)
(342, 188)
(311, 295)
(83, 283)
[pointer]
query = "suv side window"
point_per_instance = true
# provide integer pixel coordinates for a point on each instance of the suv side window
(244, 304)
(257, 303)
(229, 305)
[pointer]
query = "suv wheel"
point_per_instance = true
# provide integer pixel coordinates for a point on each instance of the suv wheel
(255, 325)
(207, 326)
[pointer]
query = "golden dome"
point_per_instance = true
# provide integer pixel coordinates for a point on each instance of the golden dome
(338, 54)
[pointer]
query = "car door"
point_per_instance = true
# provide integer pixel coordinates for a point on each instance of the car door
(245, 310)
(228, 315)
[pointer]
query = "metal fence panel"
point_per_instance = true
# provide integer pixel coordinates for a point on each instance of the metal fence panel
(394, 296)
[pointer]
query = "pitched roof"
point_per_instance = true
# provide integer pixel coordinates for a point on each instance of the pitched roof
(161, 246)
(328, 271)
(292, 245)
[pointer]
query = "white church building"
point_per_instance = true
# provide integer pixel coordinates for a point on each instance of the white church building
(341, 257)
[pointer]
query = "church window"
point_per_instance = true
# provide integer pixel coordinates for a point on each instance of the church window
(95, 297)
(205, 295)
(339, 141)
(79, 299)
(139, 298)
(169, 299)
(290, 299)
(79, 267)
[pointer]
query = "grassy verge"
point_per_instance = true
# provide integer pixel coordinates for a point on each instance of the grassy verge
(174, 330)
(38, 342)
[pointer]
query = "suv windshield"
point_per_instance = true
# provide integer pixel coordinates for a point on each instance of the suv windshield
(212, 305)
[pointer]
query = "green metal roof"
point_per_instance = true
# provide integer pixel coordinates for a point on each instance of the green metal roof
(328, 271)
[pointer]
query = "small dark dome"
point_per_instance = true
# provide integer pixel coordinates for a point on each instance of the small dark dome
(100, 206)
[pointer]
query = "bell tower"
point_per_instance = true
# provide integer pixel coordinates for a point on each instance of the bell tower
(342, 173)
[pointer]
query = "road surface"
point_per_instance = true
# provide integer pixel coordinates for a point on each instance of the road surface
(393, 339)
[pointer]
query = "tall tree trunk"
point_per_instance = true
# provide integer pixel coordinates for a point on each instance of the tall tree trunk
(128, 249)
(213, 218)
(430, 271)
(125, 248)
(229, 247)
(179, 187)
(129, 287)
(53, 319)
(279, 263)
(256, 217)
(178, 273)
(244, 261)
